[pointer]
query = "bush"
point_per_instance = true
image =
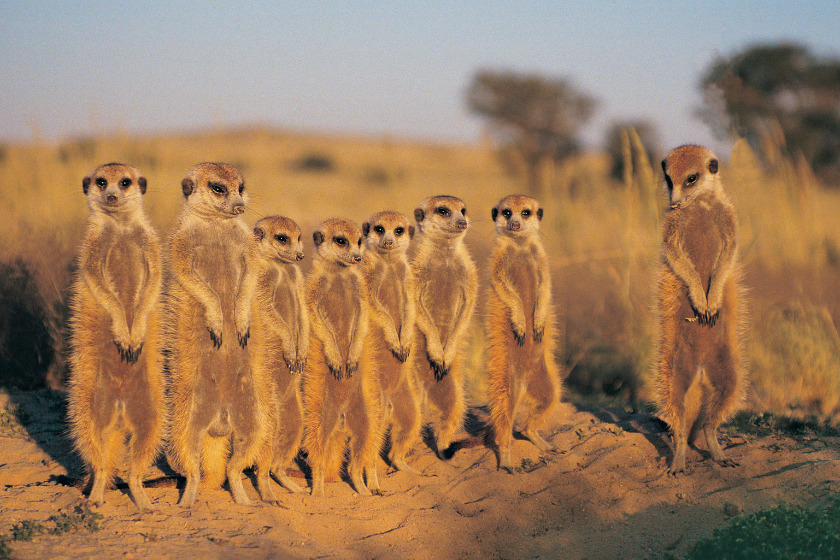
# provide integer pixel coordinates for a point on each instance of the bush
(26, 349)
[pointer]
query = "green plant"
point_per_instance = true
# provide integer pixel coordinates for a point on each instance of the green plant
(783, 533)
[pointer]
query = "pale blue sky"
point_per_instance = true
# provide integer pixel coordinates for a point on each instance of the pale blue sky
(395, 68)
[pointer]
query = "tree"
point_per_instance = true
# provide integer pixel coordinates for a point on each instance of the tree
(539, 117)
(781, 84)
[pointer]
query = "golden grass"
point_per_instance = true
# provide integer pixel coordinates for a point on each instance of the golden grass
(602, 236)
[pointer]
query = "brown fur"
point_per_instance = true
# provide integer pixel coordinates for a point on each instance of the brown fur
(218, 423)
(340, 385)
(520, 325)
(271, 318)
(700, 374)
(116, 386)
(446, 283)
(391, 291)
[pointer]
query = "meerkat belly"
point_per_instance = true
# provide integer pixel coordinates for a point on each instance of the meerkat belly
(124, 275)
(444, 299)
(524, 282)
(391, 296)
(340, 306)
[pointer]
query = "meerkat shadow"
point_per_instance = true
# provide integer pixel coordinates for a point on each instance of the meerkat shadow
(650, 426)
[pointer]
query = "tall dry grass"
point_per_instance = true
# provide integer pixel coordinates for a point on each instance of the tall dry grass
(602, 237)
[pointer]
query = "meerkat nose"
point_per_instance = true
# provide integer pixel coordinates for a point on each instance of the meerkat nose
(515, 226)
(111, 198)
(357, 258)
(299, 256)
(239, 209)
(462, 224)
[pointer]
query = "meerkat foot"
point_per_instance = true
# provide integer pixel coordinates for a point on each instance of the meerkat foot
(190, 491)
(138, 493)
(286, 482)
(537, 440)
(505, 461)
(400, 464)
(97, 489)
(716, 450)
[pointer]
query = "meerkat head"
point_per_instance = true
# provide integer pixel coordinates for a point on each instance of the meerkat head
(689, 171)
(387, 232)
(279, 239)
(113, 187)
(215, 190)
(444, 216)
(517, 216)
(339, 241)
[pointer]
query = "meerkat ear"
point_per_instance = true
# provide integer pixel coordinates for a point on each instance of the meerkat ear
(142, 182)
(411, 232)
(539, 213)
(85, 184)
(419, 215)
(494, 213)
(366, 228)
(187, 186)
(318, 238)
(259, 233)
(713, 166)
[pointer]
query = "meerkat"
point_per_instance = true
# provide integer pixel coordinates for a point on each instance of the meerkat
(218, 421)
(340, 386)
(446, 283)
(270, 313)
(700, 377)
(391, 292)
(116, 388)
(520, 326)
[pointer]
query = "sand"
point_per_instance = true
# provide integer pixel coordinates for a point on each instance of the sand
(605, 494)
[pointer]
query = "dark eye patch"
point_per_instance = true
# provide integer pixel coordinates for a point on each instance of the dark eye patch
(125, 183)
(379, 229)
(281, 238)
(340, 241)
(101, 182)
(399, 231)
(218, 188)
(442, 210)
(526, 213)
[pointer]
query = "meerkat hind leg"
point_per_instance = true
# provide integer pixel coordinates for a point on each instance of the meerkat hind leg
(264, 488)
(715, 449)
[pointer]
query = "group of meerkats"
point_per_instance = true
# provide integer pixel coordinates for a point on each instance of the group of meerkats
(223, 350)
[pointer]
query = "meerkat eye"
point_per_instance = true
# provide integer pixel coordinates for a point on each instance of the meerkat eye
(379, 229)
(506, 213)
(340, 241)
(691, 179)
(463, 211)
(241, 188)
(101, 182)
(125, 183)
(399, 231)
(281, 238)
(360, 242)
(443, 211)
(218, 188)
(526, 213)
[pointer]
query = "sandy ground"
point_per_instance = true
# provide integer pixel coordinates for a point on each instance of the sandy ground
(605, 494)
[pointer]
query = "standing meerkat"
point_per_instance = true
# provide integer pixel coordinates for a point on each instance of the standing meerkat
(700, 377)
(446, 285)
(340, 386)
(520, 325)
(391, 290)
(218, 422)
(116, 386)
(270, 310)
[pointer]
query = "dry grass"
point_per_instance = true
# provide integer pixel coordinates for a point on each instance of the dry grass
(602, 237)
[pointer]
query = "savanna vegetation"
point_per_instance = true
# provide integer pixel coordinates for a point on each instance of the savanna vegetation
(602, 234)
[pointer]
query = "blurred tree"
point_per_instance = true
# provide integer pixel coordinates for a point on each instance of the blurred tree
(538, 117)
(614, 147)
(778, 85)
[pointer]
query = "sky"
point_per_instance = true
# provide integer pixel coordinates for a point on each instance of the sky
(401, 69)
